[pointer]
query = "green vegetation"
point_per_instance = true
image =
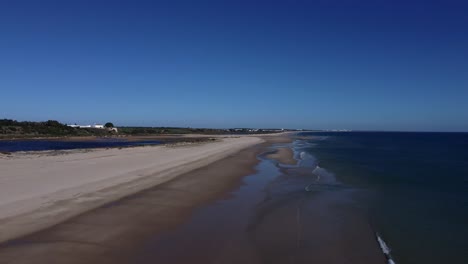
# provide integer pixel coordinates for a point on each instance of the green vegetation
(166, 130)
(12, 128)
(187, 130)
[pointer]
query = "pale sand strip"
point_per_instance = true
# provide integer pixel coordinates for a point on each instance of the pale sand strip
(283, 155)
(38, 191)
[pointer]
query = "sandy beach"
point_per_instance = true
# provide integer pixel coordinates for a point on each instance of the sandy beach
(41, 189)
(249, 206)
(283, 155)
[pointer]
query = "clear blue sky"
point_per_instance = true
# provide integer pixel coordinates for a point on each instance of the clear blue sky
(372, 65)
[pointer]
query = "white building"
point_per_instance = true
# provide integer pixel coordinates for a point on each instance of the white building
(88, 126)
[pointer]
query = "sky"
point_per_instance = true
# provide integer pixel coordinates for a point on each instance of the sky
(324, 64)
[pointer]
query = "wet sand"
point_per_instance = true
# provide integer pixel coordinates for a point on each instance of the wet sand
(40, 189)
(283, 155)
(215, 215)
(111, 233)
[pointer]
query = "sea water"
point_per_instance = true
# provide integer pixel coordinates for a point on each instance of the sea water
(279, 214)
(419, 186)
(39, 145)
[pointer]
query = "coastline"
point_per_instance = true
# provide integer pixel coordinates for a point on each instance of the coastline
(39, 191)
(283, 155)
(266, 214)
(88, 237)
(137, 137)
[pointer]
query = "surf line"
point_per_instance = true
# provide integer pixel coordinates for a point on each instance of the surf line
(307, 188)
(385, 249)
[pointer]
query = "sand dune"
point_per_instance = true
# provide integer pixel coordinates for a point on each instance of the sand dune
(40, 190)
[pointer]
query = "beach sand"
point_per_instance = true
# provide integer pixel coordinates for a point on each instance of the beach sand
(110, 234)
(283, 155)
(201, 217)
(42, 189)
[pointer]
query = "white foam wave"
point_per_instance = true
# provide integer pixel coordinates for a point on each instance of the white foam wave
(302, 155)
(383, 246)
(385, 249)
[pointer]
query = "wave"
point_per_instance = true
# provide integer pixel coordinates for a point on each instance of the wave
(302, 155)
(324, 176)
(385, 249)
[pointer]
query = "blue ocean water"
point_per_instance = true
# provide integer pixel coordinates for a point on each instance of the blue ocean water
(38, 145)
(419, 183)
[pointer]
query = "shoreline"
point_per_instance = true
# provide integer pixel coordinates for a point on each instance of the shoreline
(88, 237)
(86, 180)
(275, 220)
(283, 155)
(136, 137)
(93, 143)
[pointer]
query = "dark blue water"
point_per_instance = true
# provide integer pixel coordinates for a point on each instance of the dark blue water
(420, 186)
(37, 145)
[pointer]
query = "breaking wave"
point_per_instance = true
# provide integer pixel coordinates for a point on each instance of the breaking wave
(385, 249)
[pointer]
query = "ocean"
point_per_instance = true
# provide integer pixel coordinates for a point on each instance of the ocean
(417, 185)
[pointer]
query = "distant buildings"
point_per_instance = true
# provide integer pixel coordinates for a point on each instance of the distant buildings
(88, 126)
(98, 126)
(79, 126)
